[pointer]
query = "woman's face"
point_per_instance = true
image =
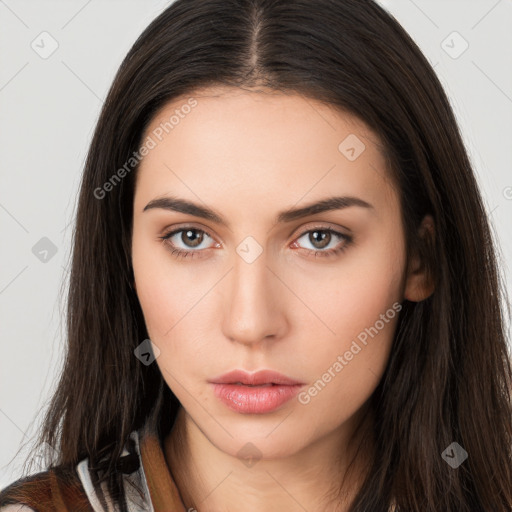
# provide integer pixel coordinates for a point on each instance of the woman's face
(250, 293)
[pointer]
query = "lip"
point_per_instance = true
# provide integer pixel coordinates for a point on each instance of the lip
(255, 393)
(256, 378)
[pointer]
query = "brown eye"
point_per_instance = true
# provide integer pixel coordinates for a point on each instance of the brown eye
(321, 238)
(180, 241)
(191, 235)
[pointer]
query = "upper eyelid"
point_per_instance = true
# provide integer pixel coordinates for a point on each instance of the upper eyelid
(172, 231)
(317, 225)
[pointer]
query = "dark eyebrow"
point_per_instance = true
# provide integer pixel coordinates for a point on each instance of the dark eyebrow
(330, 203)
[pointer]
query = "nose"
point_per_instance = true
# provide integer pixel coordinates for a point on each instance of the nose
(253, 309)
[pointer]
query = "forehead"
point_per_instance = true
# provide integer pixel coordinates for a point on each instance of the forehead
(268, 145)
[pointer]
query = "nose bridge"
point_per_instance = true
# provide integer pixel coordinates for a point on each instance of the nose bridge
(252, 309)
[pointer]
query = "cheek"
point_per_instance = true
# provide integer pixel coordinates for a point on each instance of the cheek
(342, 300)
(165, 316)
(345, 373)
(156, 287)
(359, 307)
(172, 300)
(157, 305)
(167, 307)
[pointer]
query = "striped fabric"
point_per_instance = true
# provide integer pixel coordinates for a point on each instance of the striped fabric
(150, 488)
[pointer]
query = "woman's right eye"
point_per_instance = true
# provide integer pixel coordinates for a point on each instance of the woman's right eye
(189, 237)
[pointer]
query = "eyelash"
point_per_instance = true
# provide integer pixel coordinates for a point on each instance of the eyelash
(181, 253)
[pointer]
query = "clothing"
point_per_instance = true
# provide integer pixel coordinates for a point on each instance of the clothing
(153, 478)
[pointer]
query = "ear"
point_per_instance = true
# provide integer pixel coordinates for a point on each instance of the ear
(419, 284)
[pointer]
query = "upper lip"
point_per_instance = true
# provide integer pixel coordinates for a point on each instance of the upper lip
(260, 377)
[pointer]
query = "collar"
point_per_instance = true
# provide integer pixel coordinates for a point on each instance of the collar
(158, 491)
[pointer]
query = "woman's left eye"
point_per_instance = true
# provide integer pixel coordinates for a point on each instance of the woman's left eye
(320, 238)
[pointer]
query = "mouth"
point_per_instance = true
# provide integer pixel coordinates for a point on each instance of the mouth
(258, 393)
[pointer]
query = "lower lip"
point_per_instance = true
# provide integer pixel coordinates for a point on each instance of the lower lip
(254, 399)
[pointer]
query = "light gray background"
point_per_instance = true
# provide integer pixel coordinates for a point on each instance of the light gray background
(48, 110)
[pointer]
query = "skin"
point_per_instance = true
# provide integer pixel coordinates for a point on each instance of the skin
(249, 155)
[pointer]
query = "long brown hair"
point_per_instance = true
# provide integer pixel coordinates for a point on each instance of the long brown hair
(449, 376)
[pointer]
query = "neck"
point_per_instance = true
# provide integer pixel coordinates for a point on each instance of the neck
(211, 480)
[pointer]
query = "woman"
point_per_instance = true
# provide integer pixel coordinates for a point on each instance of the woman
(284, 292)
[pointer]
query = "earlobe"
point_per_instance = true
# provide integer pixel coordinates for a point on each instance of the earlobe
(419, 283)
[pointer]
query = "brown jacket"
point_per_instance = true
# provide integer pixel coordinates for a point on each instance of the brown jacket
(56, 490)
